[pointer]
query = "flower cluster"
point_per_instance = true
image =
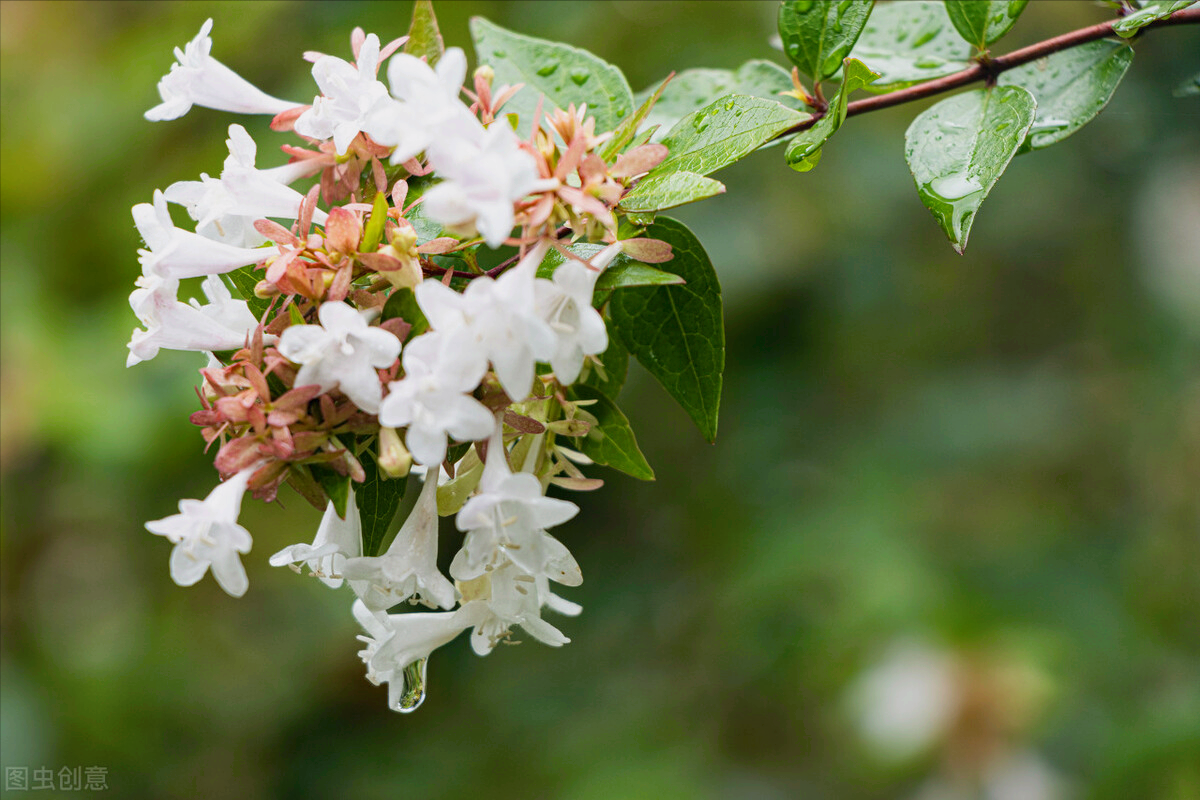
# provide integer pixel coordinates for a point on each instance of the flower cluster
(353, 336)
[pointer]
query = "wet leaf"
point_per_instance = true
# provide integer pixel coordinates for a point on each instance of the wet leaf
(958, 149)
(1148, 11)
(677, 332)
(982, 22)
(804, 150)
(1070, 87)
(910, 42)
(562, 73)
(611, 441)
(818, 36)
(657, 192)
(723, 132)
(693, 89)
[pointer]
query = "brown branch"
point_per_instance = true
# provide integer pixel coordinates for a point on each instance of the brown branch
(979, 72)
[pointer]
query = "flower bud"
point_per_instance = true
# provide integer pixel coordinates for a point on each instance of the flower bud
(394, 458)
(484, 73)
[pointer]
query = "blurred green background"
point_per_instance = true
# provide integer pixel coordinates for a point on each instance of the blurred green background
(993, 457)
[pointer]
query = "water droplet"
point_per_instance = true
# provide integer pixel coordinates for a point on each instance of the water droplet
(499, 54)
(548, 70)
(729, 104)
(804, 6)
(928, 62)
(580, 78)
(414, 687)
(926, 35)
(953, 198)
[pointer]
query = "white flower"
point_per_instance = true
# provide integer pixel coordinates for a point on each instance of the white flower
(483, 178)
(343, 352)
(223, 324)
(348, 96)
(175, 253)
(398, 646)
(506, 522)
(495, 318)
(428, 108)
(199, 79)
(337, 540)
(409, 567)
(509, 597)
(225, 209)
(433, 398)
(206, 533)
(566, 304)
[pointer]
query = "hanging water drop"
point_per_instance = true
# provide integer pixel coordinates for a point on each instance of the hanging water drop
(414, 687)
(548, 70)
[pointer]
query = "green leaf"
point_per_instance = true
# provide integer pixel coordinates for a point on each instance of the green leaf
(337, 487)
(564, 74)
(627, 130)
(615, 361)
(910, 42)
(424, 38)
(426, 228)
(377, 499)
(693, 89)
(244, 281)
(373, 232)
(611, 441)
(621, 273)
(817, 36)
(676, 332)
(804, 150)
(982, 22)
(723, 132)
(402, 303)
(958, 149)
(1150, 11)
(1071, 87)
(656, 192)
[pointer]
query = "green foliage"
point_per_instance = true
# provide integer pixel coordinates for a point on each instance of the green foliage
(402, 303)
(627, 132)
(562, 73)
(611, 441)
(693, 89)
(244, 281)
(1071, 87)
(982, 22)
(818, 36)
(677, 332)
(623, 272)
(373, 231)
(615, 361)
(804, 151)
(378, 499)
(424, 38)
(658, 192)
(910, 42)
(723, 132)
(1148, 11)
(336, 486)
(958, 149)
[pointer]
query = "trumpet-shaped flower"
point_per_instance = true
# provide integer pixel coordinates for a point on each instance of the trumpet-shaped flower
(175, 253)
(206, 534)
(223, 324)
(349, 95)
(433, 399)
(566, 304)
(337, 541)
(509, 597)
(483, 178)
(427, 107)
(506, 522)
(398, 646)
(497, 319)
(342, 352)
(199, 79)
(409, 567)
(225, 209)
